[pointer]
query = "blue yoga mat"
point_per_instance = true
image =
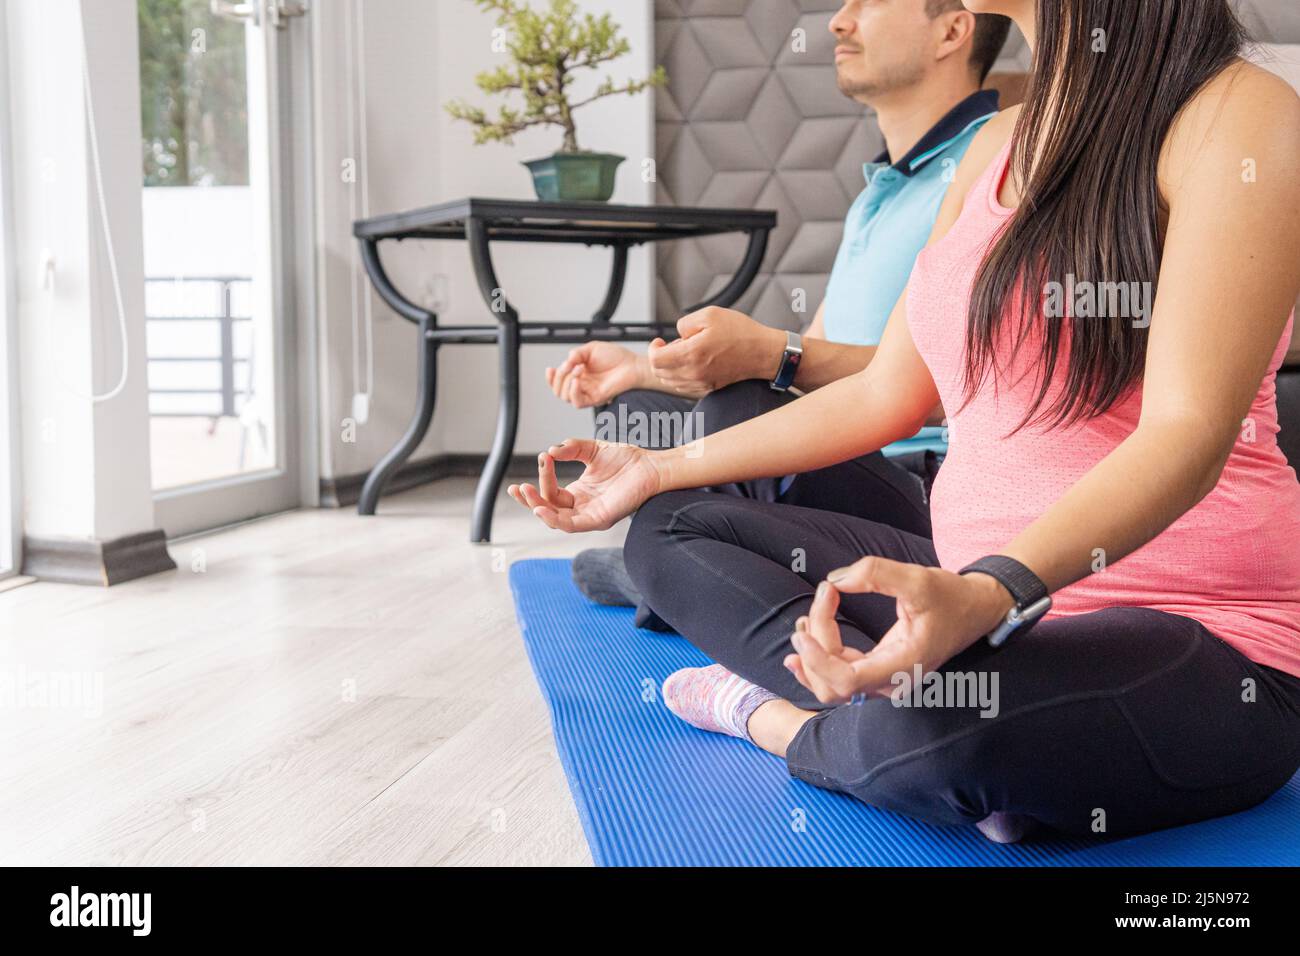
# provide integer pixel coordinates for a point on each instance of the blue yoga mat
(653, 791)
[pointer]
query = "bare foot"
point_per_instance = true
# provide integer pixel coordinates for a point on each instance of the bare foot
(773, 725)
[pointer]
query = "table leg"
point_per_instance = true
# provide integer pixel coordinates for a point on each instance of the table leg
(614, 292)
(503, 445)
(743, 277)
(415, 431)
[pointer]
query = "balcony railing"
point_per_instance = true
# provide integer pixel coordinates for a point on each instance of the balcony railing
(181, 313)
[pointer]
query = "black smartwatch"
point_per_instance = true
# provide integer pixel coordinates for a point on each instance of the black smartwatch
(1026, 589)
(790, 360)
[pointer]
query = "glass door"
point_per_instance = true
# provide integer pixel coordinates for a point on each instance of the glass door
(216, 154)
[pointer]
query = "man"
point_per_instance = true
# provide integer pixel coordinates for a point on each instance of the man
(919, 64)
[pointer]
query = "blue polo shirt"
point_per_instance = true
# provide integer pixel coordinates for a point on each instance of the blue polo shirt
(886, 229)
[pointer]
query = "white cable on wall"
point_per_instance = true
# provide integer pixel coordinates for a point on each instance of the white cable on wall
(103, 218)
(359, 142)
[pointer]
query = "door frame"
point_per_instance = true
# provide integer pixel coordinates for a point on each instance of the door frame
(294, 482)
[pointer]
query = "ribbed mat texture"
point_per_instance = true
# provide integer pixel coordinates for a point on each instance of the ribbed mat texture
(653, 791)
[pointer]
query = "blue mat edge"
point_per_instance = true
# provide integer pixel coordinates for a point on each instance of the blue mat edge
(589, 829)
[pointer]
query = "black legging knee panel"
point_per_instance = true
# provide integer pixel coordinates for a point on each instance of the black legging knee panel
(1120, 721)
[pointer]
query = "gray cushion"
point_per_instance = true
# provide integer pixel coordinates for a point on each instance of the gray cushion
(1270, 21)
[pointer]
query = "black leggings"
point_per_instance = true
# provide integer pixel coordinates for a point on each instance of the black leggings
(1121, 721)
(872, 486)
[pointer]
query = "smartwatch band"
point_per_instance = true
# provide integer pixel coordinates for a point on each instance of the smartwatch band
(1026, 588)
(790, 360)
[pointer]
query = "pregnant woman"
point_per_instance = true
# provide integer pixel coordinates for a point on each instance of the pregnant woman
(1102, 310)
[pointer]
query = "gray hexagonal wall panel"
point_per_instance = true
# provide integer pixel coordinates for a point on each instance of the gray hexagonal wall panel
(749, 121)
(752, 119)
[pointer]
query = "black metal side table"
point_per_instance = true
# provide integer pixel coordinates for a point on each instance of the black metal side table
(482, 221)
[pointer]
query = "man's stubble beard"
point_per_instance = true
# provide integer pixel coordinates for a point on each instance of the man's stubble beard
(866, 90)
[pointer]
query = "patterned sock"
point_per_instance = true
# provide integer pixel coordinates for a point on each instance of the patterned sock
(714, 699)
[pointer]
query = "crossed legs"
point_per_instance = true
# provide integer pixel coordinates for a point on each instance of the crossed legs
(1121, 721)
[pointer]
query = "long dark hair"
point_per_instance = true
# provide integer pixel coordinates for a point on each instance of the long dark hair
(1086, 148)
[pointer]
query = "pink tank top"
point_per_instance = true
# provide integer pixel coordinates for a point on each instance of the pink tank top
(1232, 562)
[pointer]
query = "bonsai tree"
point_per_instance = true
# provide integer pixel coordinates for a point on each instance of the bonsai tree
(547, 50)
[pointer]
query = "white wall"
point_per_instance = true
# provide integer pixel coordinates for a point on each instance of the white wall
(420, 55)
(48, 194)
(85, 465)
(401, 50)
(10, 487)
(542, 282)
(123, 497)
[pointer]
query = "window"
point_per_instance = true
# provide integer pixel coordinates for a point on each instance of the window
(217, 167)
(199, 302)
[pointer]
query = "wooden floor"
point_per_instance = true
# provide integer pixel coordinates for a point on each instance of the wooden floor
(313, 688)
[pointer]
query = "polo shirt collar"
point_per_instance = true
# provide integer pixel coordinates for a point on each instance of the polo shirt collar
(976, 108)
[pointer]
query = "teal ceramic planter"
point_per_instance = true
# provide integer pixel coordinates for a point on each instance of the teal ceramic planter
(567, 177)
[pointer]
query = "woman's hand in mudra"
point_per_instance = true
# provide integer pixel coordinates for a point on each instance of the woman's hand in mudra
(940, 614)
(616, 481)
